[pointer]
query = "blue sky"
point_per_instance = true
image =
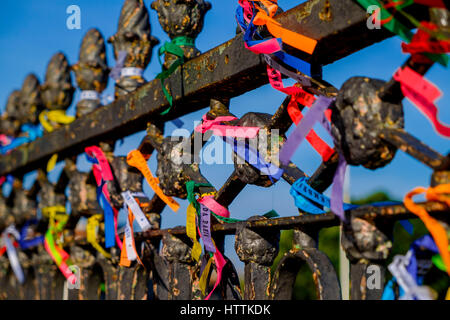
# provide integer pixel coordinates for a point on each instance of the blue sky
(32, 31)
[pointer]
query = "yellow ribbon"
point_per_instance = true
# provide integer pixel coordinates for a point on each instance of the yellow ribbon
(136, 159)
(52, 162)
(191, 232)
(204, 276)
(56, 214)
(58, 116)
(91, 233)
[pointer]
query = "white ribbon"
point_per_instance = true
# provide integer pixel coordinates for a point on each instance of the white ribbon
(89, 95)
(131, 253)
(131, 203)
(12, 253)
(405, 280)
(131, 71)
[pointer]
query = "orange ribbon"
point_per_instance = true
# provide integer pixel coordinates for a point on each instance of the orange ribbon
(124, 261)
(437, 231)
(291, 38)
(136, 159)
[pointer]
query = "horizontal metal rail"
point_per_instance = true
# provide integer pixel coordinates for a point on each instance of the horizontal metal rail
(395, 212)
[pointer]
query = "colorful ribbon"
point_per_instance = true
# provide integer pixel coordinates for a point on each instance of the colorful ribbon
(129, 252)
(58, 255)
(396, 27)
(31, 132)
(423, 43)
(252, 156)
(219, 129)
(29, 243)
(102, 173)
(173, 47)
(191, 232)
(423, 94)
(315, 114)
(136, 159)
(436, 230)
(132, 203)
(58, 116)
(93, 223)
(12, 252)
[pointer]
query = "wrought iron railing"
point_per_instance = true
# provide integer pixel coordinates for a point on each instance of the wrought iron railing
(208, 79)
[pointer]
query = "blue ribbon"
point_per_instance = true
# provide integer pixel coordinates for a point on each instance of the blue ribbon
(36, 241)
(250, 31)
(303, 193)
(108, 212)
(33, 132)
(425, 243)
(252, 157)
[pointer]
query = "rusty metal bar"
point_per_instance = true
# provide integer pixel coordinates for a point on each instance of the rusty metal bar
(311, 221)
(340, 31)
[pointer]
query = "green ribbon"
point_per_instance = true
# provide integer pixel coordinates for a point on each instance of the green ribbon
(191, 186)
(54, 230)
(438, 262)
(400, 29)
(173, 47)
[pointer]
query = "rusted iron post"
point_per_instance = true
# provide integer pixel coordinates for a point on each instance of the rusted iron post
(305, 250)
(84, 260)
(30, 102)
(181, 269)
(257, 250)
(57, 90)
(24, 203)
(133, 45)
(9, 120)
(50, 281)
(181, 19)
(367, 248)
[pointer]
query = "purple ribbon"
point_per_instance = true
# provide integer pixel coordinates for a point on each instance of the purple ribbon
(336, 202)
(205, 226)
(314, 115)
(115, 72)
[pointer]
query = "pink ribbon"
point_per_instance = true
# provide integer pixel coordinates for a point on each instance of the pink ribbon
(102, 171)
(266, 47)
(423, 95)
(214, 206)
(224, 130)
(220, 264)
(4, 140)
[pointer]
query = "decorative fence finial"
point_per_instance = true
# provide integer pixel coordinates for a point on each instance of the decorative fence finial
(91, 71)
(9, 121)
(57, 93)
(182, 20)
(358, 118)
(30, 103)
(133, 46)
